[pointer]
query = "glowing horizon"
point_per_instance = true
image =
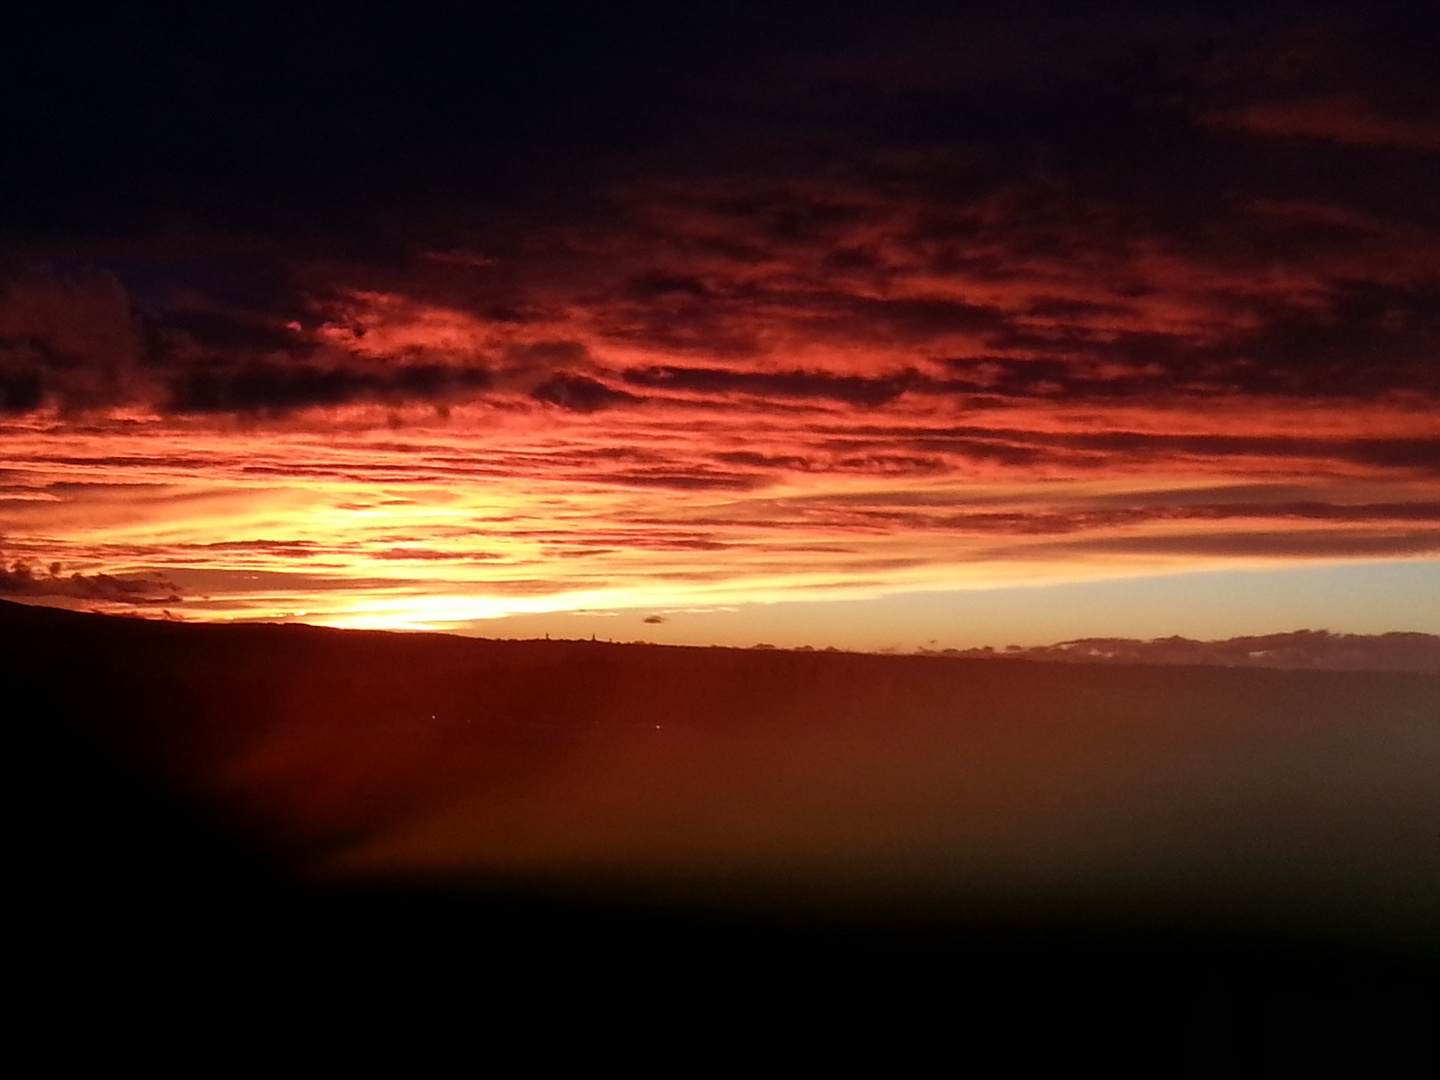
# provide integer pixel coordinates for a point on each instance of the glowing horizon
(444, 525)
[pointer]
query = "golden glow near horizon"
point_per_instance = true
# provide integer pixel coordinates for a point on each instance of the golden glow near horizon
(357, 519)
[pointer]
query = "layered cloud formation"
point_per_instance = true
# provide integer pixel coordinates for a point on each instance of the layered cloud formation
(475, 317)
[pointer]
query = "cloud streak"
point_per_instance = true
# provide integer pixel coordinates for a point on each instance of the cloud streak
(792, 296)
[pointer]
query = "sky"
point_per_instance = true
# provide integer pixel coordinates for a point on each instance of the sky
(875, 326)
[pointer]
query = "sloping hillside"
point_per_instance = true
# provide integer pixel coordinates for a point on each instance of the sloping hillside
(301, 785)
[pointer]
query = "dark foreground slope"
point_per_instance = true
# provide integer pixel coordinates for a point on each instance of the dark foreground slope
(1214, 858)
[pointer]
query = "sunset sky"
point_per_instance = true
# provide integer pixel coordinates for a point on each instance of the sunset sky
(877, 326)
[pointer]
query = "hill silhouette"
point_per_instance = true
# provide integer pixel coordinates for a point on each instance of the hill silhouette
(1298, 649)
(215, 798)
